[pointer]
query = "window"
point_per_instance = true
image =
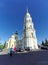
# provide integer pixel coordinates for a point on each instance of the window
(25, 27)
(15, 37)
(29, 19)
(30, 26)
(32, 34)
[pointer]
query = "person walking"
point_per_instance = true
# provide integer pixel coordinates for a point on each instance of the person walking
(11, 52)
(15, 49)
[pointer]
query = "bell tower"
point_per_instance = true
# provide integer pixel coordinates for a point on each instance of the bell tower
(29, 34)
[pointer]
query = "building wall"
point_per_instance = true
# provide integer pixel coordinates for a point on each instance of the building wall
(12, 42)
(29, 34)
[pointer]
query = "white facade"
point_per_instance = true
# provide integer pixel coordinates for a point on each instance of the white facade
(12, 42)
(29, 36)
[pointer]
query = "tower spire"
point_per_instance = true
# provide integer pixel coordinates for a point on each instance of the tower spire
(27, 9)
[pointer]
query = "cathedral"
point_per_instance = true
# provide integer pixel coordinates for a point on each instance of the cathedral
(28, 35)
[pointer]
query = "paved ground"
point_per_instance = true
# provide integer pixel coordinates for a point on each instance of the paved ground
(30, 58)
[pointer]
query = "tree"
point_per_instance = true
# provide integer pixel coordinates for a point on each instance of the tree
(4, 45)
(43, 43)
(46, 42)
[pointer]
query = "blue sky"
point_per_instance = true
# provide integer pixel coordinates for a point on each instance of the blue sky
(12, 14)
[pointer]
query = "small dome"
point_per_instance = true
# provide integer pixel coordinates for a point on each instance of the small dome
(27, 14)
(16, 33)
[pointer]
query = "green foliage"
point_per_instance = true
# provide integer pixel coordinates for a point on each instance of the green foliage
(3, 45)
(45, 43)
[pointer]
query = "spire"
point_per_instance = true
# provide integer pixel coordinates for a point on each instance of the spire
(27, 12)
(27, 9)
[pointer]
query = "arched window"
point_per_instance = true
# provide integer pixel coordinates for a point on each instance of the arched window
(15, 37)
(29, 20)
(30, 26)
(25, 27)
(32, 34)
